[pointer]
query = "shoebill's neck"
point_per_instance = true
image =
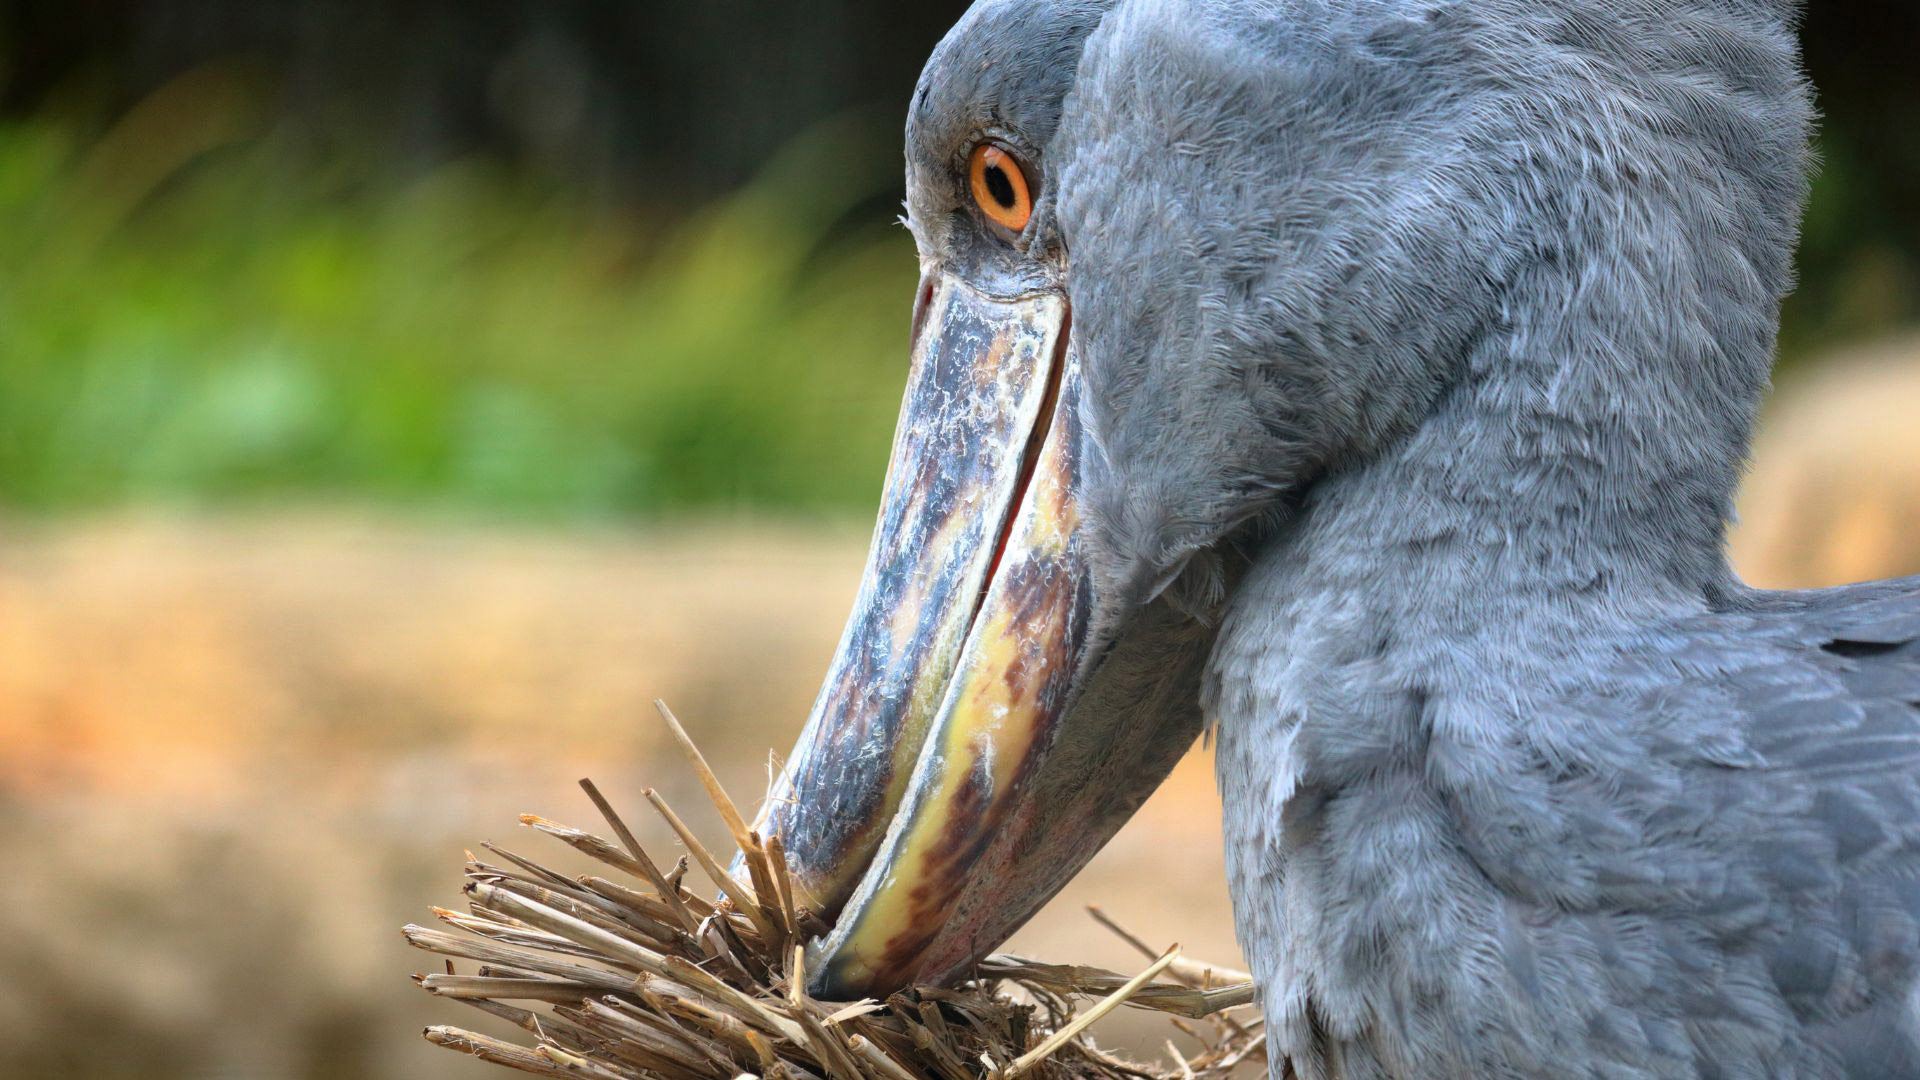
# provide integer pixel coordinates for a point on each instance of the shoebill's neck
(1392, 644)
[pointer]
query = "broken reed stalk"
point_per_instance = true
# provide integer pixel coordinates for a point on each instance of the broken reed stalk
(641, 979)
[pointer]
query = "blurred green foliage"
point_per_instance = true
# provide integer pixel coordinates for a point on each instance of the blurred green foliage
(188, 311)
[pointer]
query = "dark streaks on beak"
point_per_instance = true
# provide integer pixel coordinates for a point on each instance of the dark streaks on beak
(980, 375)
(995, 726)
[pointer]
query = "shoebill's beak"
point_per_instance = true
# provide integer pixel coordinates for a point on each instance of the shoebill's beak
(989, 720)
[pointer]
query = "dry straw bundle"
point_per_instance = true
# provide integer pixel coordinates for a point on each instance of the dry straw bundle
(642, 978)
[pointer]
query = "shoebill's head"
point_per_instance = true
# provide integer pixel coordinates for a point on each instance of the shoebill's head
(1181, 261)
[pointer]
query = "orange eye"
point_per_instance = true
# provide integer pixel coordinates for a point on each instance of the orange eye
(999, 187)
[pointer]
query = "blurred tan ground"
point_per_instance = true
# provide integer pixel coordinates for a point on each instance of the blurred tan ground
(1834, 493)
(236, 754)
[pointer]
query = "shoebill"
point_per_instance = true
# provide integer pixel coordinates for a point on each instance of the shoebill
(1367, 382)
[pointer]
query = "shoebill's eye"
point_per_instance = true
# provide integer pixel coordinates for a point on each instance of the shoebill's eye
(999, 186)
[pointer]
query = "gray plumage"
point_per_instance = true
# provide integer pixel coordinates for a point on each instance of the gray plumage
(1422, 342)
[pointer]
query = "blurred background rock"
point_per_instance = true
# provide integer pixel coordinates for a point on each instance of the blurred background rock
(388, 388)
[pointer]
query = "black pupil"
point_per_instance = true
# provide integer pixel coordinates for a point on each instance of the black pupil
(999, 186)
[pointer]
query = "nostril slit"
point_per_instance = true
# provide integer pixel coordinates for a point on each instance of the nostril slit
(920, 305)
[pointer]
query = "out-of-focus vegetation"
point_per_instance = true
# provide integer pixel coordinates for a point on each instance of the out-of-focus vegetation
(559, 260)
(189, 312)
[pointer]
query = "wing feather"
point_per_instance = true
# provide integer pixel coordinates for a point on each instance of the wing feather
(1789, 830)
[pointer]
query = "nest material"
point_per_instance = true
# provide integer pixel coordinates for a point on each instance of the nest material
(644, 979)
